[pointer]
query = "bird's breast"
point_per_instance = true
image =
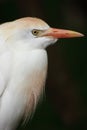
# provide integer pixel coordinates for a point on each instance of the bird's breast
(30, 67)
(28, 78)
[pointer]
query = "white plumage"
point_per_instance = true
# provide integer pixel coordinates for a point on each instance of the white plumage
(23, 67)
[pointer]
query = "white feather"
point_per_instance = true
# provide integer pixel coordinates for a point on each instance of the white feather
(23, 69)
(25, 83)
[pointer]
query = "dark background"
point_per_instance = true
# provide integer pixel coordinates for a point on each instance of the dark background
(65, 105)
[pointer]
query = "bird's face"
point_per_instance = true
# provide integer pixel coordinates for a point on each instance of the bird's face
(34, 33)
(34, 36)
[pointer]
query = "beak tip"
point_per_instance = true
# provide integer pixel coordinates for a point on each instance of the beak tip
(81, 35)
(76, 34)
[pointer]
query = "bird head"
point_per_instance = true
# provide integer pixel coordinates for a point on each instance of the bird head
(33, 32)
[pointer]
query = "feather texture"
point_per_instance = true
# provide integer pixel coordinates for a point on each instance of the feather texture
(24, 87)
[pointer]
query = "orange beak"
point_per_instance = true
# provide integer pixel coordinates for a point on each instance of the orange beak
(61, 33)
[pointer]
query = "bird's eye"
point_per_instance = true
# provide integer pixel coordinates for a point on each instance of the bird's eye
(35, 32)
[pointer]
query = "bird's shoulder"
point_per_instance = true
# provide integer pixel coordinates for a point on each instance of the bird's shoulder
(5, 58)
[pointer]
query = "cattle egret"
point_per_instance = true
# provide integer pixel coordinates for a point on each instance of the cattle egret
(23, 67)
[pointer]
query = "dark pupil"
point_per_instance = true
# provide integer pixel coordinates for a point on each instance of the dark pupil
(35, 32)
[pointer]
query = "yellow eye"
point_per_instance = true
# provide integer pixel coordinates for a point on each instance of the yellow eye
(35, 32)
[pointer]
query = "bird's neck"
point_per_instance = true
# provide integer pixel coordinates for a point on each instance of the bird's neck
(32, 68)
(20, 47)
